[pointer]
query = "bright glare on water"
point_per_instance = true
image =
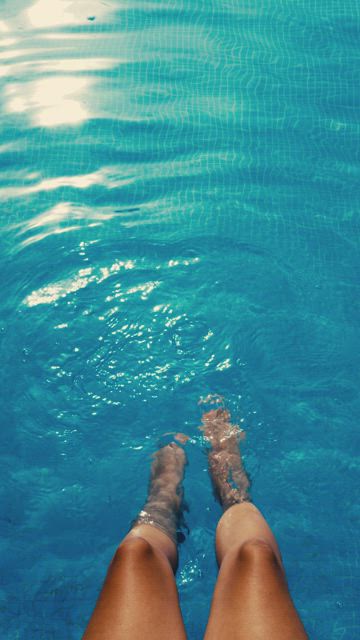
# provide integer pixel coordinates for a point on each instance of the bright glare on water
(179, 216)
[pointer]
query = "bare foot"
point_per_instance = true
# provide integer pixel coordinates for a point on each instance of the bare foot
(230, 481)
(178, 437)
(163, 508)
(167, 471)
(219, 431)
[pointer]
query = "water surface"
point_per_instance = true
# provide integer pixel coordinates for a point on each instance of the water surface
(179, 215)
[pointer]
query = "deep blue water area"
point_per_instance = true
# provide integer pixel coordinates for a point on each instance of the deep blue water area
(179, 192)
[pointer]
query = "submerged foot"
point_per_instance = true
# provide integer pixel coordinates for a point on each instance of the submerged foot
(163, 507)
(229, 478)
(167, 472)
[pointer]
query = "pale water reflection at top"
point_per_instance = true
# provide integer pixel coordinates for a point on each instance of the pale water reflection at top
(43, 14)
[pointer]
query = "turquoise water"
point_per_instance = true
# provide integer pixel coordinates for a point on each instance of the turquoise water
(179, 216)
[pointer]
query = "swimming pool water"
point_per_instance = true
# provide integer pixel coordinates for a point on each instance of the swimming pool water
(179, 216)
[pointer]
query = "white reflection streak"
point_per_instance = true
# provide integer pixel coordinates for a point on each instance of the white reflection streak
(47, 14)
(19, 53)
(5, 29)
(64, 212)
(103, 177)
(48, 100)
(51, 13)
(7, 42)
(52, 292)
(71, 64)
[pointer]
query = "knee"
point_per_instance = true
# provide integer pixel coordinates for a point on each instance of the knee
(257, 552)
(133, 549)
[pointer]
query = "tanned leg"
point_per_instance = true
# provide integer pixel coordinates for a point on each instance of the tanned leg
(251, 599)
(139, 599)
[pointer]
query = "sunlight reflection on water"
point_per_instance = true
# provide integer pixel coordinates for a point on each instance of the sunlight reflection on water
(47, 100)
(44, 14)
